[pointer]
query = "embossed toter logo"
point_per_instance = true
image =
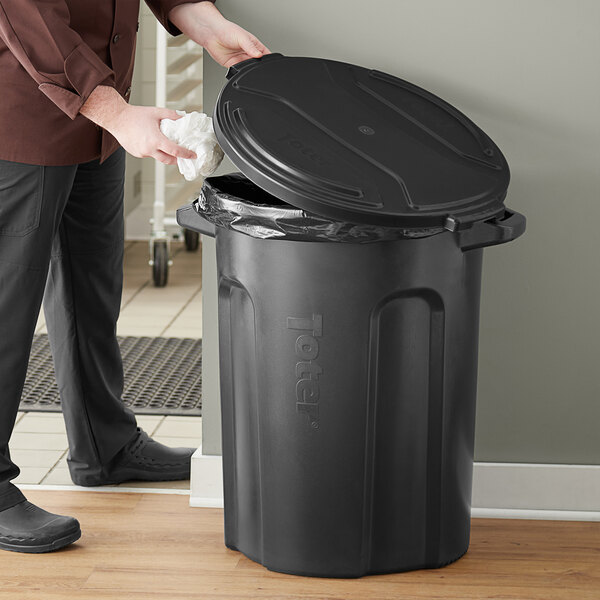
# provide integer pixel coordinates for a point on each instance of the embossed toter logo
(303, 149)
(307, 369)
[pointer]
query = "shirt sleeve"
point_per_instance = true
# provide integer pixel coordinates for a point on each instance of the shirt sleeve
(161, 9)
(39, 36)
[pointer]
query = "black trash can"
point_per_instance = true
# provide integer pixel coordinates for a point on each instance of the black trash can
(349, 262)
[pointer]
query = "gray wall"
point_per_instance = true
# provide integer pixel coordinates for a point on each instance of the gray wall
(527, 73)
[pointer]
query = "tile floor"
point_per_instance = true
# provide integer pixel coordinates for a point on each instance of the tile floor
(39, 441)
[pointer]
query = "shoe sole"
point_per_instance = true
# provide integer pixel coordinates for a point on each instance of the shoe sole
(41, 548)
(134, 475)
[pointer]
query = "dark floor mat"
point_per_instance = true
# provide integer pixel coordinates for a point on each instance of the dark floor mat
(163, 376)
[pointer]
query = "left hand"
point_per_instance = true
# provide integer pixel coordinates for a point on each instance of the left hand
(225, 41)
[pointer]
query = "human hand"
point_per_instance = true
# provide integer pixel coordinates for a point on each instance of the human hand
(136, 128)
(225, 41)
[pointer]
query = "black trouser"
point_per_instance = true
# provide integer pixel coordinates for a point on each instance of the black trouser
(61, 230)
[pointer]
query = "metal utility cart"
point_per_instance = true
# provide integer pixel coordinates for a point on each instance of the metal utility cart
(178, 85)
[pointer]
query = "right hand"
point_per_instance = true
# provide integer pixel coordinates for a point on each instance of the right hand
(136, 128)
(225, 41)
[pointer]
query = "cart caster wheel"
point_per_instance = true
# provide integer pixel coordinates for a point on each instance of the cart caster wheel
(160, 264)
(192, 240)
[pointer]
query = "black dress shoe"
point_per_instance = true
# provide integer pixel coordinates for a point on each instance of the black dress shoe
(25, 527)
(142, 459)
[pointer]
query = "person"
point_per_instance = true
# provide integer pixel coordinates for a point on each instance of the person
(65, 124)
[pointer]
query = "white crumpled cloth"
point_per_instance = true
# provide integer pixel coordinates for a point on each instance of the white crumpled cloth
(195, 132)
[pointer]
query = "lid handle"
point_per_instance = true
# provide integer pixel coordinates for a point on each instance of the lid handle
(495, 231)
(235, 69)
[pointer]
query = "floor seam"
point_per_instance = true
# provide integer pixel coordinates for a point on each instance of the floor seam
(181, 310)
(55, 465)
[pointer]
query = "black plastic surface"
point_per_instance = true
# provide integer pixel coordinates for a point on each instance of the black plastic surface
(358, 145)
(500, 230)
(348, 382)
(189, 217)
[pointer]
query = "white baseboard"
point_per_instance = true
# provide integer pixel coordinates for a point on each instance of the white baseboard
(536, 515)
(206, 483)
(524, 486)
(500, 490)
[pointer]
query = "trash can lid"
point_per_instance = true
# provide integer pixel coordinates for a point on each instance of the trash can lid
(359, 145)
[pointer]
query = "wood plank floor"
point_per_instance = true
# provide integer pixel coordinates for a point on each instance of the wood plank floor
(149, 546)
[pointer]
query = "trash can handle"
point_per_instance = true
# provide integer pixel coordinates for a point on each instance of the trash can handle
(188, 217)
(496, 231)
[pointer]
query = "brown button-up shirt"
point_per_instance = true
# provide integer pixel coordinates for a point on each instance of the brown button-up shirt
(53, 53)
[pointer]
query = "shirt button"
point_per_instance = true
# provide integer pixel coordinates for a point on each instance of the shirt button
(116, 38)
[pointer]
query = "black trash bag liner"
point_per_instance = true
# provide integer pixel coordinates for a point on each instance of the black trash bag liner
(234, 202)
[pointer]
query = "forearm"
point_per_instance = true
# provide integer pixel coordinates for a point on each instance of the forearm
(197, 20)
(104, 106)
